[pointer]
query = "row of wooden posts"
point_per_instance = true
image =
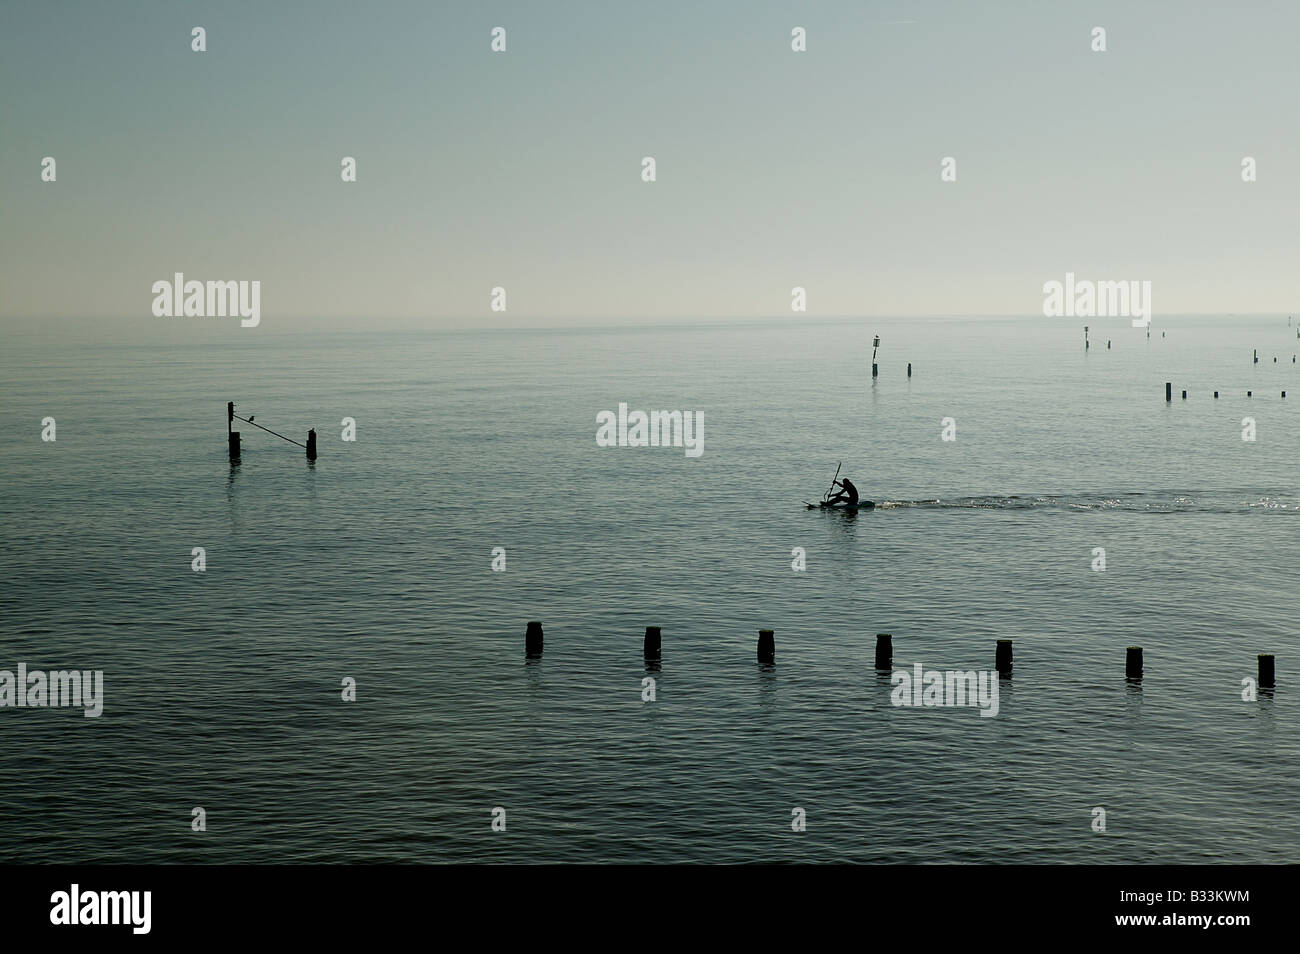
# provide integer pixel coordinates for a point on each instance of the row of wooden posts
(653, 651)
(1169, 392)
(1255, 356)
(1169, 386)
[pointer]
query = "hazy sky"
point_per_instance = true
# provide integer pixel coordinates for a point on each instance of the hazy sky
(523, 169)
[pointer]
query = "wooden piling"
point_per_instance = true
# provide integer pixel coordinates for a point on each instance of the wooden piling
(1169, 390)
(1216, 394)
(533, 641)
(1255, 356)
(311, 444)
(1003, 656)
(1248, 393)
(1266, 678)
(653, 642)
(232, 436)
(767, 647)
(884, 651)
(909, 369)
(1184, 395)
(875, 369)
(1133, 663)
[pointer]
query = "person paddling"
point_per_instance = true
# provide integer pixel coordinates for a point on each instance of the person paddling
(848, 493)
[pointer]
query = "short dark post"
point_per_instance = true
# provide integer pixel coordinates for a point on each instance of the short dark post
(1248, 393)
(1184, 395)
(766, 647)
(311, 444)
(1284, 394)
(533, 641)
(1216, 394)
(1107, 344)
(1133, 663)
(1266, 671)
(1004, 656)
(653, 645)
(884, 651)
(909, 369)
(1256, 356)
(1169, 390)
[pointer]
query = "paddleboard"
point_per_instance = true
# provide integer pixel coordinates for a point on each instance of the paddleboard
(860, 505)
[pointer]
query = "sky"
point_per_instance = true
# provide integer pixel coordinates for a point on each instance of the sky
(522, 169)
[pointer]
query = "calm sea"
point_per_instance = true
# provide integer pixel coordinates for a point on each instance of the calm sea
(223, 688)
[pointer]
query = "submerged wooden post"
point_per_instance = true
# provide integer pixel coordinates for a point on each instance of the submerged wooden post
(1169, 390)
(766, 647)
(1266, 671)
(1133, 663)
(653, 643)
(311, 444)
(533, 641)
(1003, 658)
(884, 651)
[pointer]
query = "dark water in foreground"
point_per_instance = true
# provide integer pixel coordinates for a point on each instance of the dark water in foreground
(222, 689)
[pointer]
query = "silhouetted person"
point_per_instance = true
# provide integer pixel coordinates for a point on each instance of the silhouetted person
(848, 494)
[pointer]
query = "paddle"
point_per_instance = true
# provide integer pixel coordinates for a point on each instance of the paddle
(833, 479)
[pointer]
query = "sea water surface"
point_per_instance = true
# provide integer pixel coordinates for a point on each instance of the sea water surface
(223, 688)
